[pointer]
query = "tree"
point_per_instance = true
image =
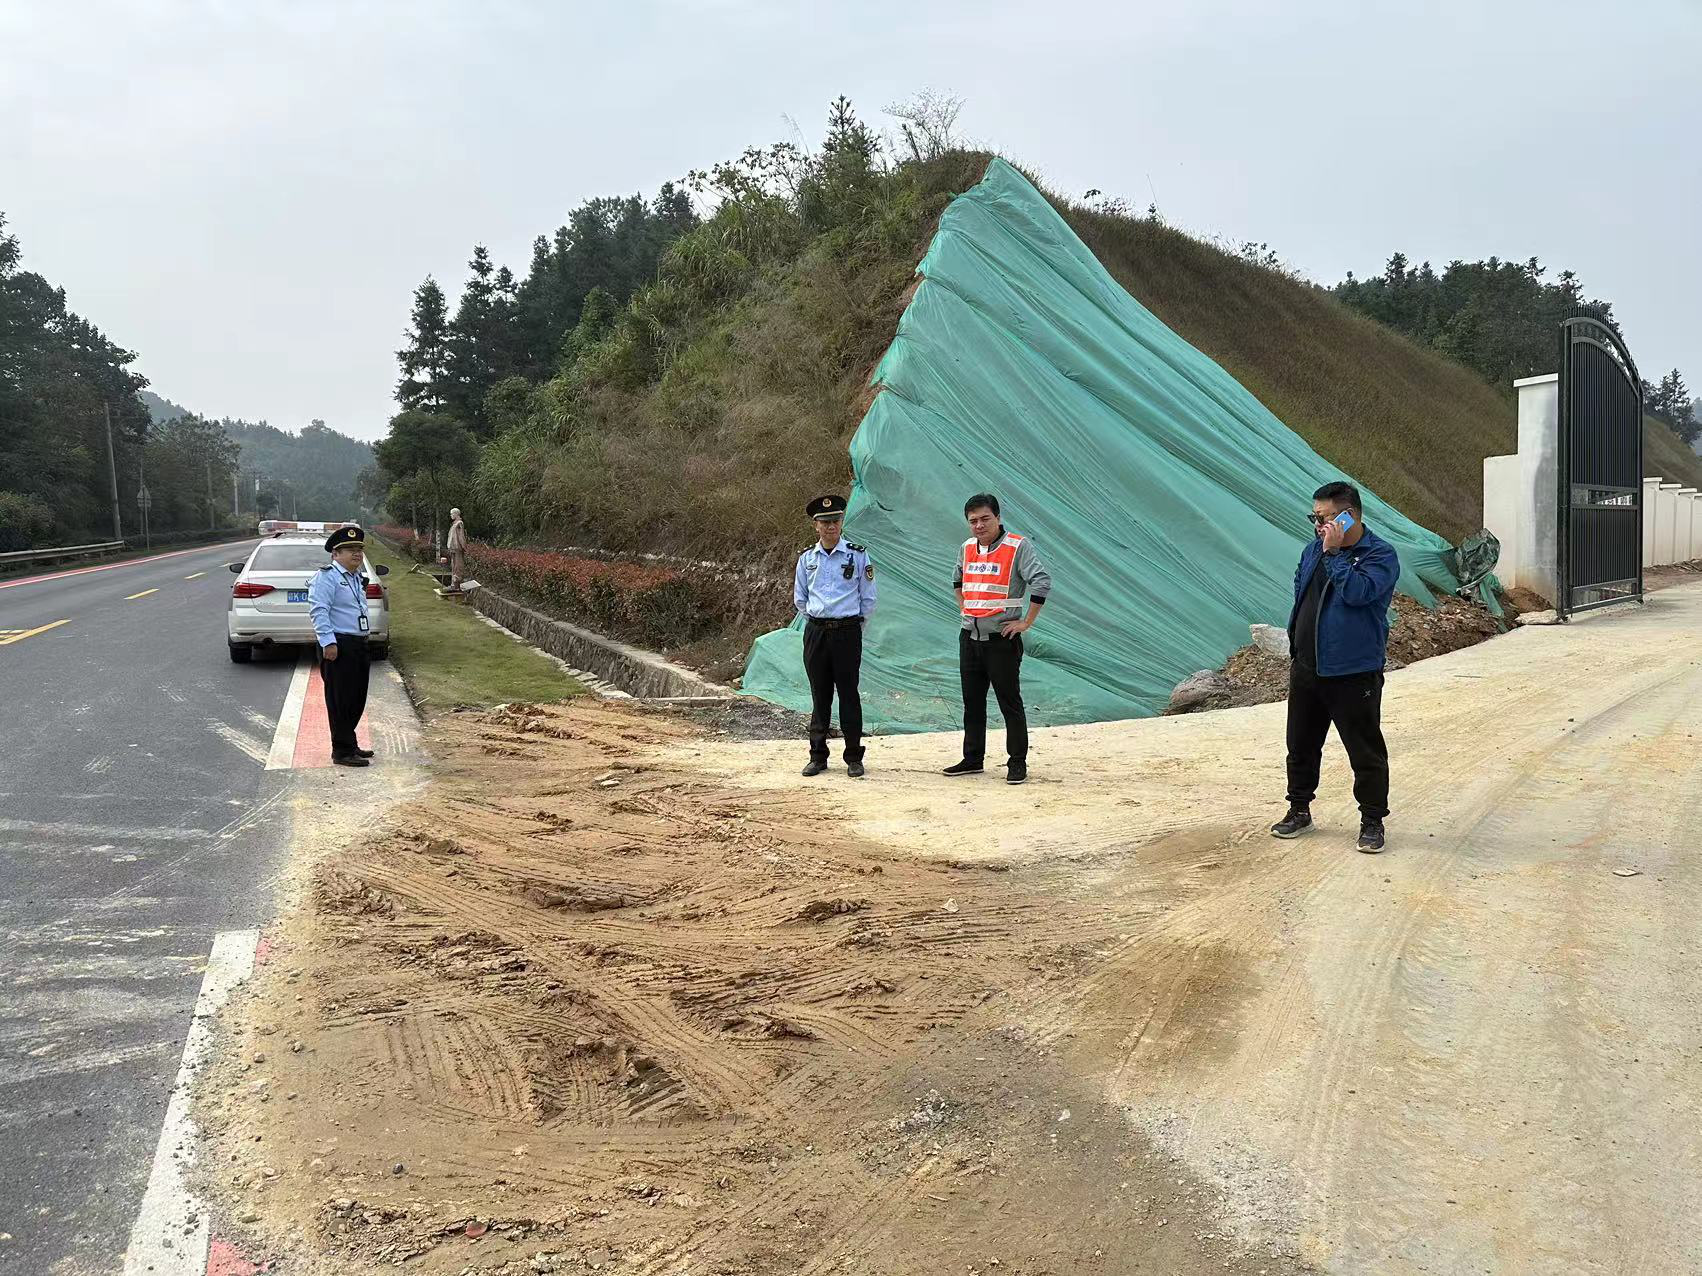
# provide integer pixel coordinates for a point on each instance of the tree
(425, 359)
(929, 121)
(481, 340)
(1498, 317)
(428, 459)
(61, 380)
(1670, 401)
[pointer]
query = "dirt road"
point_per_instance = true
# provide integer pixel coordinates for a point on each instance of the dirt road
(635, 999)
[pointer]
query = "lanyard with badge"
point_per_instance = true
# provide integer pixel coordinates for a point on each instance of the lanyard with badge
(353, 581)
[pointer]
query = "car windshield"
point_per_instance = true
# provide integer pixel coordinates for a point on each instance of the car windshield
(288, 558)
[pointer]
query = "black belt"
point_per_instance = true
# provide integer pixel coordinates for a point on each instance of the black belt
(835, 622)
(354, 638)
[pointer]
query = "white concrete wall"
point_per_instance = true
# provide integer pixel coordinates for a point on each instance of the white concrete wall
(1501, 504)
(1666, 522)
(1682, 549)
(1651, 489)
(1539, 441)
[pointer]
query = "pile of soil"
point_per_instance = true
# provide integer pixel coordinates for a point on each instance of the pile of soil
(1253, 676)
(581, 1008)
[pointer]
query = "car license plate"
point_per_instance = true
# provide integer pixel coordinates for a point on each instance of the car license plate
(297, 596)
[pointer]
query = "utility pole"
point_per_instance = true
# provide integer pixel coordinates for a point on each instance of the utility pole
(235, 495)
(112, 469)
(212, 513)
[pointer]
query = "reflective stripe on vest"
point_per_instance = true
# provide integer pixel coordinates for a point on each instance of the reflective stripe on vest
(987, 577)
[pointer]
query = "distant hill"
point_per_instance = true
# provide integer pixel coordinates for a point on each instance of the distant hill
(162, 410)
(311, 473)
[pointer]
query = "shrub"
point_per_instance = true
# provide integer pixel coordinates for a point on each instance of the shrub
(655, 605)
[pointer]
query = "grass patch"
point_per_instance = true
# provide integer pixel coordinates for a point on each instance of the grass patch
(449, 657)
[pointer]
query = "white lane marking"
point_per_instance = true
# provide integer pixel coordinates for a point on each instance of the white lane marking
(164, 1242)
(260, 720)
(81, 1061)
(98, 765)
(247, 743)
(282, 757)
(63, 828)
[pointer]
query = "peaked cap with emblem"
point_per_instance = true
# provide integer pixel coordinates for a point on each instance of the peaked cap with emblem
(826, 507)
(344, 536)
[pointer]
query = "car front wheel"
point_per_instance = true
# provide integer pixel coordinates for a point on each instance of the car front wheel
(378, 651)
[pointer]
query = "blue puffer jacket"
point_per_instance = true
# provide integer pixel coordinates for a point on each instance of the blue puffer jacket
(1353, 615)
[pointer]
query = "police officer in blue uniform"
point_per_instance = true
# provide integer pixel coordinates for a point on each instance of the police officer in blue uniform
(336, 602)
(833, 588)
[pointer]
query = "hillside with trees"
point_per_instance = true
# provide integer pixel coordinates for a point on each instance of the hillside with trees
(72, 418)
(314, 473)
(686, 385)
(1500, 318)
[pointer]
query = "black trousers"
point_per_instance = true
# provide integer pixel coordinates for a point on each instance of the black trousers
(833, 660)
(995, 662)
(1354, 706)
(345, 690)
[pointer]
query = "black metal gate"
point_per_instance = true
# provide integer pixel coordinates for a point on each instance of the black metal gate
(1600, 524)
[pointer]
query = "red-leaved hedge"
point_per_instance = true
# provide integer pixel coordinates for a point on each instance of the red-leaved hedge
(654, 605)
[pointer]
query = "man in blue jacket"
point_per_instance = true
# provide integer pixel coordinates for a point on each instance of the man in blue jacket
(1338, 633)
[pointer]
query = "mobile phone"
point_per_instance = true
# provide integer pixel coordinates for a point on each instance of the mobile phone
(1344, 520)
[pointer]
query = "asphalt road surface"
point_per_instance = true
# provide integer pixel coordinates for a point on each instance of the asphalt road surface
(137, 819)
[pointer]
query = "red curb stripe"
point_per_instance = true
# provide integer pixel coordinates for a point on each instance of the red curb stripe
(313, 736)
(225, 1259)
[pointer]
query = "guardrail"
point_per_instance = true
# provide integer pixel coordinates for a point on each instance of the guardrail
(63, 551)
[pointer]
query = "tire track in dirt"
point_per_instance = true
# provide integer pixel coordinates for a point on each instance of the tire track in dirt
(611, 1008)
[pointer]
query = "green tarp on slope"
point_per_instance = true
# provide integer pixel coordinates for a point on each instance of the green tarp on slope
(1168, 504)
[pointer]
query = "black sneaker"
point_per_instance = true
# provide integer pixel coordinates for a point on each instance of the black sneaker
(1371, 836)
(1016, 773)
(815, 768)
(854, 770)
(966, 767)
(1297, 821)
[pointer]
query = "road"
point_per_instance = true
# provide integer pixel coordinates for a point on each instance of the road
(138, 819)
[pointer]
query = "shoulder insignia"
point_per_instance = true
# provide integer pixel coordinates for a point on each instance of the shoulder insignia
(855, 548)
(327, 567)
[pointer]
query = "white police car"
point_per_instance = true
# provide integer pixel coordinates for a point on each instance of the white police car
(268, 603)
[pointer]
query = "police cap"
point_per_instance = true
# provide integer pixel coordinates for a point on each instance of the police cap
(350, 535)
(826, 507)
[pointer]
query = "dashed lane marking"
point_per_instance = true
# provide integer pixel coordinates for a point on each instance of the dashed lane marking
(143, 594)
(9, 636)
(194, 575)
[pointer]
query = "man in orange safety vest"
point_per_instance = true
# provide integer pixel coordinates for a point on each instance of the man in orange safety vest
(1001, 586)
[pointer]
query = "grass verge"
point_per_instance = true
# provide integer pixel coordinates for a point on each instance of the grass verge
(449, 657)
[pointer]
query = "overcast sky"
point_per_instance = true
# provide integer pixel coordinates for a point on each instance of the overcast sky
(247, 194)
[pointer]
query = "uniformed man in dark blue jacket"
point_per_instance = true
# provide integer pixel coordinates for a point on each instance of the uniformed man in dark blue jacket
(1338, 635)
(833, 588)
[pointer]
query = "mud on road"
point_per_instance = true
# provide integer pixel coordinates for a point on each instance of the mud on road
(620, 993)
(581, 1009)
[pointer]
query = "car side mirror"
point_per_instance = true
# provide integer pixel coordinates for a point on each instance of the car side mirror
(381, 569)
(235, 567)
